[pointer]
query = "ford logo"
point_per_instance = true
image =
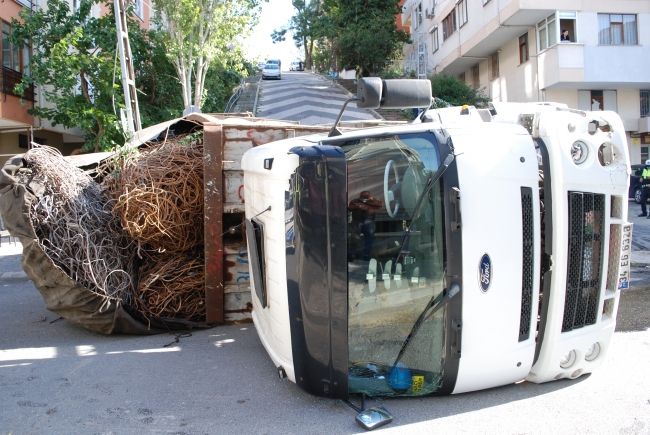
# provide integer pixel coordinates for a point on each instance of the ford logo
(485, 273)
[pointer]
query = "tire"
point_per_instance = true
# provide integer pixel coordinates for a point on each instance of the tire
(637, 195)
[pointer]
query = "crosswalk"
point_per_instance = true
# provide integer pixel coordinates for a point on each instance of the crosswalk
(308, 98)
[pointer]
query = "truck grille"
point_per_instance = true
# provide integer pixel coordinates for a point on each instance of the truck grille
(527, 267)
(586, 222)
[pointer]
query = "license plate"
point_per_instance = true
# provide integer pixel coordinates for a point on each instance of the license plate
(626, 251)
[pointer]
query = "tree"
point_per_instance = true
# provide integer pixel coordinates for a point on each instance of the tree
(200, 33)
(366, 33)
(304, 27)
(451, 90)
(73, 62)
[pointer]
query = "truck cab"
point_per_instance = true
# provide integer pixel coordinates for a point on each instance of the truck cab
(440, 257)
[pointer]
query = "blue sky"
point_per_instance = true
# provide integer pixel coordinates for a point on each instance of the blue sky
(259, 46)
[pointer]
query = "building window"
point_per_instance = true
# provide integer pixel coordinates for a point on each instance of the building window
(568, 26)
(595, 100)
(434, 39)
(462, 12)
(449, 25)
(494, 65)
(476, 78)
(523, 48)
(616, 29)
(417, 16)
(645, 103)
(547, 32)
(12, 56)
(644, 154)
(138, 8)
(422, 61)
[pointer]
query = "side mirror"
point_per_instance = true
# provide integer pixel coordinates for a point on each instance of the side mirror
(406, 94)
(375, 93)
(369, 91)
(373, 418)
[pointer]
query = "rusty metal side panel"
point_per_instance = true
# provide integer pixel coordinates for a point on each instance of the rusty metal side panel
(237, 272)
(234, 187)
(238, 307)
(227, 281)
(241, 138)
(213, 223)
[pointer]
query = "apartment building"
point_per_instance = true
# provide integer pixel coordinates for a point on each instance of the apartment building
(588, 54)
(17, 127)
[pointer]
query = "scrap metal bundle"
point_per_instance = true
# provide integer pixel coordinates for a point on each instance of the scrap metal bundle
(161, 197)
(159, 201)
(75, 227)
(172, 285)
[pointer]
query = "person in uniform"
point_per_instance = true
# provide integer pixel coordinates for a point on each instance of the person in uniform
(645, 189)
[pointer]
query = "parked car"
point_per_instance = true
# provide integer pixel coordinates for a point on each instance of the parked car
(271, 71)
(260, 66)
(296, 66)
(635, 183)
(277, 62)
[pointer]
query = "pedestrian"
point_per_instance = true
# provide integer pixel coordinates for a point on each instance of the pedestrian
(565, 36)
(645, 188)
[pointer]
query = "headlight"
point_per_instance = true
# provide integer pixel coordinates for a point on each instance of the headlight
(593, 352)
(579, 152)
(567, 360)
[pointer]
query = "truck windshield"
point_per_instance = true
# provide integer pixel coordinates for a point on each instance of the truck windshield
(387, 292)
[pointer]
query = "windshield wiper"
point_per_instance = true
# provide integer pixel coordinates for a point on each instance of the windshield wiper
(433, 180)
(435, 304)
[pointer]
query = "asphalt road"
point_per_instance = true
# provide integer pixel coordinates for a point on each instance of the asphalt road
(308, 98)
(56, 378)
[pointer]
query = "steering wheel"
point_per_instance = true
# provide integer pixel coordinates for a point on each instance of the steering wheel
(389, 195)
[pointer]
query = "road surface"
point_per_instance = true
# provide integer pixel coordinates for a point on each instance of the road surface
(308, 98)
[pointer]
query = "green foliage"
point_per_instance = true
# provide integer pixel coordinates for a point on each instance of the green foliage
(199, 35)
(69, 46)
(73, 59)
(449, 89)
(392, 72)
(366, 33)
(351, 34)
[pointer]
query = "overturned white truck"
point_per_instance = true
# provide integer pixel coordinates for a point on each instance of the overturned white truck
(463, 251)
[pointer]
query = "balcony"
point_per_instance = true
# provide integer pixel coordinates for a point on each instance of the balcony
(8, 81)
(509, 22)
(643, 125)
(570, 66)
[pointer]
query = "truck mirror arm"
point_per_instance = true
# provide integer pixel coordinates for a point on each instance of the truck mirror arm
(335, 131)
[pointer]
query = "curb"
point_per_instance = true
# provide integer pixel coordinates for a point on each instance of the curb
(257, 95)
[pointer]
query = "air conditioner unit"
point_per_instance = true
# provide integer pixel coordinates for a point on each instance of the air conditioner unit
(429, 12)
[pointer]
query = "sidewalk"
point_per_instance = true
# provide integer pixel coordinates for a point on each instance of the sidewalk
(246, 101)
(10, 257)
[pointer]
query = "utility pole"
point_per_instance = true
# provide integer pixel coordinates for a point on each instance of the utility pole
(126, 63)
